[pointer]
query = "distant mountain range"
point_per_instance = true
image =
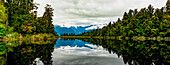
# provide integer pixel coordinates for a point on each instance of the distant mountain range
(76, 29)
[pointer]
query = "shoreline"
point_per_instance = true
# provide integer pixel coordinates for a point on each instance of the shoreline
(94, 37)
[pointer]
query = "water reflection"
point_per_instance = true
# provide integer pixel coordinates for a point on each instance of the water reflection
(137, 52)
(28, 52)
(84, 52)
(72, 43)
(78, 52)
(2, 53)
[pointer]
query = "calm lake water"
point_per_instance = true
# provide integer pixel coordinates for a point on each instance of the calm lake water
(84, 52)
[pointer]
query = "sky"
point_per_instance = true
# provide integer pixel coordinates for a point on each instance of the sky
(92, 12)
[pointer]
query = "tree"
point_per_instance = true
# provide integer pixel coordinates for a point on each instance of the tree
(2, 20)
(2, 31)
(130, 13)
(2, 13)
(148, 22)
(109, 24)
(125, 16)
(47, 19)
(150, 10)
(168, 6)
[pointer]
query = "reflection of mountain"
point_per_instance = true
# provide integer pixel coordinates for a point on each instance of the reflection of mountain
(75, 30)
(72, 43)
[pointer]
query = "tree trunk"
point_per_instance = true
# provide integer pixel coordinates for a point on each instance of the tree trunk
(26, 4)
(6, 24)
(7, 21)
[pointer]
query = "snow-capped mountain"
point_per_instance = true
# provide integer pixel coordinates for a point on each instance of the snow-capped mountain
(77, 29)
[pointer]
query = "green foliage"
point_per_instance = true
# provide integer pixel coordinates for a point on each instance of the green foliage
(10, 30)
(148, 22)
(2, 14)
(2, 20)
(2, 48)
(23, 19)
(2, 53)
(16, 35)
(66, 34)
(2, 31)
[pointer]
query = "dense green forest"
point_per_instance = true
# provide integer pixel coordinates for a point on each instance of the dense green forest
(147, 22)
(20, 17)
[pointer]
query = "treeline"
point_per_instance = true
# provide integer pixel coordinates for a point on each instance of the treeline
(20, 16)
(147, 22)
(68, 34)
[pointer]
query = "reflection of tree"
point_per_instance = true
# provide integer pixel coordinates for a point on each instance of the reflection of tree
(25, 54)
(46, 54)
(2, 53)
(137, 52)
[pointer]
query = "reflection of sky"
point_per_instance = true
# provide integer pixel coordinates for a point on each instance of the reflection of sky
(78, 47)
(77, 52)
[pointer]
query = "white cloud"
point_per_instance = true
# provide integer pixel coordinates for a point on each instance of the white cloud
(85, 21)
(72, 12)
(84, 51)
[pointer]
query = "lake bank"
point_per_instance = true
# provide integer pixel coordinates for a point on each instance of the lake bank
(39, 37)
(119, 37)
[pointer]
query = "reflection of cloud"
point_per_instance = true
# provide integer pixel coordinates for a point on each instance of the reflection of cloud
(65, 11)
(84, 51)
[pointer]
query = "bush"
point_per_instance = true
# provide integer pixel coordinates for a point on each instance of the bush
(14, 35)
(2, 31)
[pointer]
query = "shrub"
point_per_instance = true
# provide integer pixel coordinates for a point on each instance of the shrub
(2, 31)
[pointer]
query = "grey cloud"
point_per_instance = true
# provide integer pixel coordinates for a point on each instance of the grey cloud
(73, 9)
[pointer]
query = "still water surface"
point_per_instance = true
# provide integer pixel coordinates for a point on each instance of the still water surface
(84, 52)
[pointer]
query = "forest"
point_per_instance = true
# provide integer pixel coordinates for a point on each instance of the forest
(147, 22)
(18, 18)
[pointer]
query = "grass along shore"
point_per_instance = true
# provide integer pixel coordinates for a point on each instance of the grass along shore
(17, 36)
(119, 37)
(45, 36)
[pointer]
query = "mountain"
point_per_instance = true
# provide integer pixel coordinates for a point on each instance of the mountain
(75, 29)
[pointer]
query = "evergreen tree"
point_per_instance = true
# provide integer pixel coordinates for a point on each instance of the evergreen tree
(148, 22)
(168, 6)
(2, 20)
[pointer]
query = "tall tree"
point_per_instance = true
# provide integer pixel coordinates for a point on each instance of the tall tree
(47, 19)
(2, 20)
(2, 13)
(168, 6)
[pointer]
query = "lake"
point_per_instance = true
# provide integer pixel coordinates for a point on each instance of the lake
(85, 52)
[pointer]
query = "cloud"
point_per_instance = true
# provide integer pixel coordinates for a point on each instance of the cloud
(71, 11)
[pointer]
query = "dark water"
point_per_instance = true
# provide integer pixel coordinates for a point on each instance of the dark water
(84, 52)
